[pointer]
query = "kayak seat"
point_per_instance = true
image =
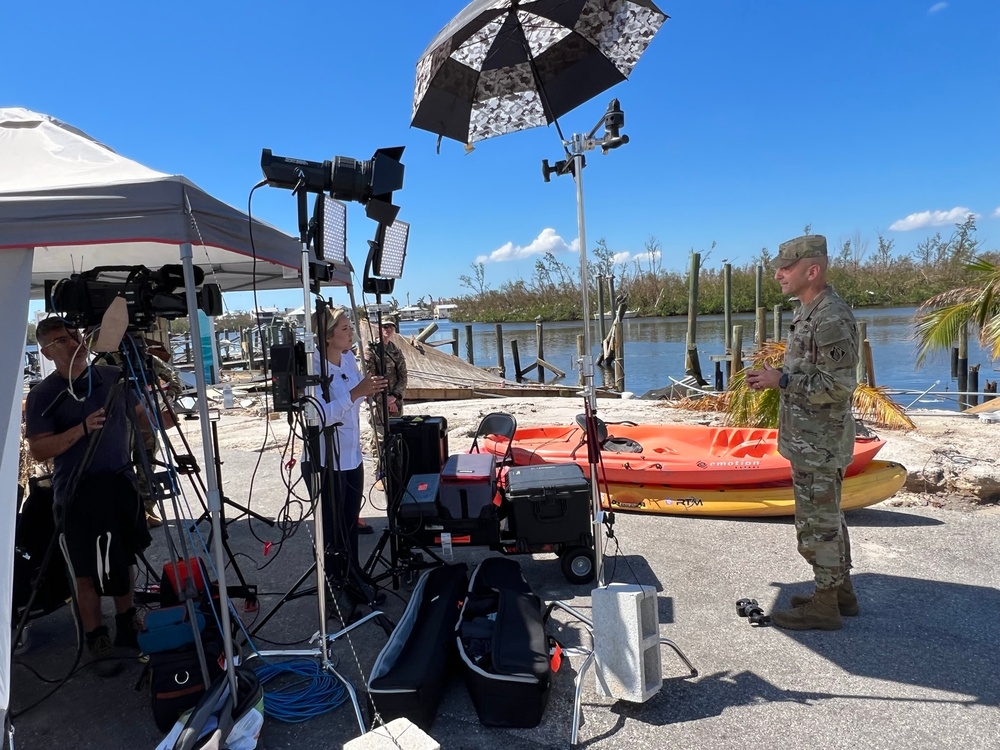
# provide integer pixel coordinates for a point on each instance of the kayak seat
(621, 445)
(608, 442)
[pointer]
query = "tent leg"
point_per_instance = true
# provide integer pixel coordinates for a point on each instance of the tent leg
(213, 494)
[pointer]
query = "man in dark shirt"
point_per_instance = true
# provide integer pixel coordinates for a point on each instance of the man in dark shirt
(94, 487)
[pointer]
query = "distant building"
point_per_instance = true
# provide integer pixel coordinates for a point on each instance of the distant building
(443, 311)
(414, 312)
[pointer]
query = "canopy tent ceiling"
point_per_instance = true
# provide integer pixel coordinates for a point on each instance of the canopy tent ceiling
(79, 205)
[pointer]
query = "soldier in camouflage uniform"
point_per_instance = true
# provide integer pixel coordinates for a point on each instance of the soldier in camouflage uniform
(816, 428)
(395, 373)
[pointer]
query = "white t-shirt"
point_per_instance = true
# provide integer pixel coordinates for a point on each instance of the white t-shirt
(340, 408)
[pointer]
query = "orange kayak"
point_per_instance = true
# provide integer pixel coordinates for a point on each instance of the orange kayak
(878, 481)
(674, 455)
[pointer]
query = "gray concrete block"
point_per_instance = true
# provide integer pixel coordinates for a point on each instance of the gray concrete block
(627, 642)
(398, 734)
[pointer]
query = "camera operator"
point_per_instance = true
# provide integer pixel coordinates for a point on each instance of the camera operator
(100, 515)
(343, 485)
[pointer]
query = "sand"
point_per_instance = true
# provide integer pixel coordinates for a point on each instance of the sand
(950, 458)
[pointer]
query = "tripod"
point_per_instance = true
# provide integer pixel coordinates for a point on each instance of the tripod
(401, 560)
(161, 485)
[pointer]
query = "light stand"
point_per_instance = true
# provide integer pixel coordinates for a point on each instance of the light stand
(612, 121)
(322, 652)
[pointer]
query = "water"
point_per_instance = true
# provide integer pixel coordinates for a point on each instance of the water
(655, 348)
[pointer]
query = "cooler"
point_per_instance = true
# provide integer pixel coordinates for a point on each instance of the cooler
(468, 486)
(548, 504)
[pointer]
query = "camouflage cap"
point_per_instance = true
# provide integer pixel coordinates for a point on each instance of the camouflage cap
(806, 246)
(391, 319)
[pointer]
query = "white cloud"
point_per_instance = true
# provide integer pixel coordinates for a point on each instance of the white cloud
(546, 242)
(627, 257)
(996, 212)
(925, 219)
(936, 8)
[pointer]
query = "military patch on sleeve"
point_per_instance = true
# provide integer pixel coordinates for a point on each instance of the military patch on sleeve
(837, 353)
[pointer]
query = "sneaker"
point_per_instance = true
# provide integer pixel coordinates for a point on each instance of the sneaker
(102, 652)
(153, 521)
(364, 528)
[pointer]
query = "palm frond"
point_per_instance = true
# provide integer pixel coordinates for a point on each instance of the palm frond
(873, 405)
(938, 329)
(950, 298)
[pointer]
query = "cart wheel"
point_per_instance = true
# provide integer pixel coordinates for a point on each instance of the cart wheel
(578, 565)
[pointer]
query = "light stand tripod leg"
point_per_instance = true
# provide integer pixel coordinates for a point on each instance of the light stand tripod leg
(680, 654)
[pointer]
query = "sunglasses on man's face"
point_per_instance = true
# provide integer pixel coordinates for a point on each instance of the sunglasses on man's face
(72, 337)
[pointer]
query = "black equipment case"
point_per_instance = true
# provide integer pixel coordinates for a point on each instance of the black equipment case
(502, 644)
(548, 503)
(411, 671)
(425, 442)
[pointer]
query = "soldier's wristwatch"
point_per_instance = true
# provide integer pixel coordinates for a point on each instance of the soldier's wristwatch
(783, 380)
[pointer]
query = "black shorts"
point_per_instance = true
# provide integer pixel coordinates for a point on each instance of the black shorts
(105, 527)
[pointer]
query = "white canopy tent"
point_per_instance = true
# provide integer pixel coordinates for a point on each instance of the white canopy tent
(68, 203)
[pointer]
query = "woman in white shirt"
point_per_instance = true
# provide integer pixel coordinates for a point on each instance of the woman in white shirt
(343, 485)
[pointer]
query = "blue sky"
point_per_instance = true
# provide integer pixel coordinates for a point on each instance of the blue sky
(747, 122)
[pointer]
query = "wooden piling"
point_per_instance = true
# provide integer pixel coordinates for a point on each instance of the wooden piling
(777, 323)
(760, 334)
(862, 369)
(963, 367)
(454, 341)
(736, 356)
(691, 365)
(869, 363)
(601, 325)
(727, 306)
(501, 368)
(516, 359)
(470, 355)
(540, 348)
(425, 334)
(974, 385)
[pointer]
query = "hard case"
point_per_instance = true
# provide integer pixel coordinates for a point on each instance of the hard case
(548, 504)
(468, 486)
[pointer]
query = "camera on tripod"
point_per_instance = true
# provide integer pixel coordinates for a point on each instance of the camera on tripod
(83, 298)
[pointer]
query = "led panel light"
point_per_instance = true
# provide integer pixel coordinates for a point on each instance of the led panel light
(393, 252)
(331, 238)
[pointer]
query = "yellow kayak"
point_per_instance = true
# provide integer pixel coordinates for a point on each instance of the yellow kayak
(879, 481)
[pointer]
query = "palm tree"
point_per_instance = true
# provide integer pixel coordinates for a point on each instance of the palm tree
(940, 318)
(746, 408)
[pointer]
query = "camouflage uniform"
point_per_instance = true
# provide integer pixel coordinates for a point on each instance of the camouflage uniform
(816, 429)
(395, 373)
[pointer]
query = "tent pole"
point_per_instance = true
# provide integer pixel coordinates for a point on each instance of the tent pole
(214, 498)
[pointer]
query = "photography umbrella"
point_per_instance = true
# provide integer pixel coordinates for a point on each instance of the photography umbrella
(501, 66)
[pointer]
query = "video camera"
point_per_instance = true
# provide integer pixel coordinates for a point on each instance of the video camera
(83, 298)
